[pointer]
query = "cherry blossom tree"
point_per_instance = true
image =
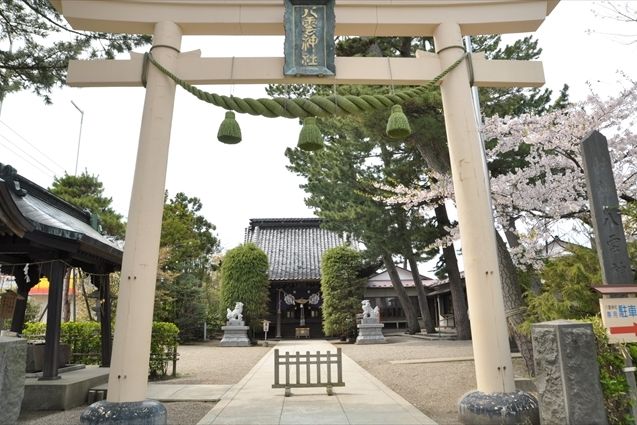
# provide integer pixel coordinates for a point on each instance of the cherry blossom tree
(545, 194)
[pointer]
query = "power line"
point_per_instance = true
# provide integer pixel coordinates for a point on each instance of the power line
(32, 158)
(44, 155)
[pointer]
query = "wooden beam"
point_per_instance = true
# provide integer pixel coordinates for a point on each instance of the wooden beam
(53, 322)
(349, 70)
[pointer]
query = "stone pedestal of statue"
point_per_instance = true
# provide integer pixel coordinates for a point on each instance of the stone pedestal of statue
(370, 331)
(235, 334)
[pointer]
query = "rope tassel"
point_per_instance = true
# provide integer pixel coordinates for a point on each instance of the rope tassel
(398, 125)
(229, 131)
(310, 138)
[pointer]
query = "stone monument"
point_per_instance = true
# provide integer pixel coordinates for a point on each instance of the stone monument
(13, 352)
(370, 330)
(235, 333)
(565, 352)
(567, 380)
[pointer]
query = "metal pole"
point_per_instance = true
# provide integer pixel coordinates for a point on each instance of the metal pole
(79, 138)
(474, 89)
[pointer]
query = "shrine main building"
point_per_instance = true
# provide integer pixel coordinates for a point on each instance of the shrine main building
(294, 247)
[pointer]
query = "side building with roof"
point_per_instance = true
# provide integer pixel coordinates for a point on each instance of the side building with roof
(380, 292)
(41, 235)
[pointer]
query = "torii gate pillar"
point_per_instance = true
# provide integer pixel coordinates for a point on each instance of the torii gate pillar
(128, 375)
(493, 365)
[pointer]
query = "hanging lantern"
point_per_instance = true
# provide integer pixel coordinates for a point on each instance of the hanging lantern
(398, 125)
(310, 138)
(229, 131)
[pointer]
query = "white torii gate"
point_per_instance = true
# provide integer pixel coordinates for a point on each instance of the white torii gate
(168, 20)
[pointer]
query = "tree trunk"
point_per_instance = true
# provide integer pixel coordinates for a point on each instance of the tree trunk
(410, 314)
(66, 305)
(458, 297)
(24, 286)
(17, 322)
(410, 259)
(513, 305)
(422, 296)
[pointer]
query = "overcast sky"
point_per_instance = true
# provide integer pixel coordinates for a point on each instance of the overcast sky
(248, 180)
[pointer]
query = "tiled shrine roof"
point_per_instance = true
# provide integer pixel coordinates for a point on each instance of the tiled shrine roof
(294, 245)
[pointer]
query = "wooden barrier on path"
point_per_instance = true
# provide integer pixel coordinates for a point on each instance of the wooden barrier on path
(312, 370)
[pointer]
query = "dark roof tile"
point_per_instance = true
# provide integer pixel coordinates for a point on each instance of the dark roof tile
(294, 245)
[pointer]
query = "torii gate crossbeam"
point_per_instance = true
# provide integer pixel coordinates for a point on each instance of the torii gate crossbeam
(381, 18)
(446, 21)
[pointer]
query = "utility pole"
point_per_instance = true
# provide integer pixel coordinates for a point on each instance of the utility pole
(79, 138)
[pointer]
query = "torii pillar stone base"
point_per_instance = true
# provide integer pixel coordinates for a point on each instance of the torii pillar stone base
(147, 412)
(478, 408)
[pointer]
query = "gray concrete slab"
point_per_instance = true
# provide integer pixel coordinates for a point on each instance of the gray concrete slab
(363, 399)
(62, 394)
(181, 392)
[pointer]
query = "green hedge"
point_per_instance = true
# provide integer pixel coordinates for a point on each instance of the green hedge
(86, 345)
(163, 345)
(342, 290)
(244, 278)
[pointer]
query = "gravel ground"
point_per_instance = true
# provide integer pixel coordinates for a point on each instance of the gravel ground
(207, 363)
(434, 388)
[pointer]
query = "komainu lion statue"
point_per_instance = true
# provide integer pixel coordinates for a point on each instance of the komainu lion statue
(368, 311)
(235, 314)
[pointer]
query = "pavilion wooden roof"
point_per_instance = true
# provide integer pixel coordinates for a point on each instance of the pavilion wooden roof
(36, 225)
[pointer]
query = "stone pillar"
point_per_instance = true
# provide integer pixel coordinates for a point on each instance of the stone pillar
(13, 353)
(567, 371)
(496, 397)
(128, 377)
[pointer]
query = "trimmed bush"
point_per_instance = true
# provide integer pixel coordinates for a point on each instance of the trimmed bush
(82, 337)
(86, 345)
(244, 278)
(163, 345)
(342, 290)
